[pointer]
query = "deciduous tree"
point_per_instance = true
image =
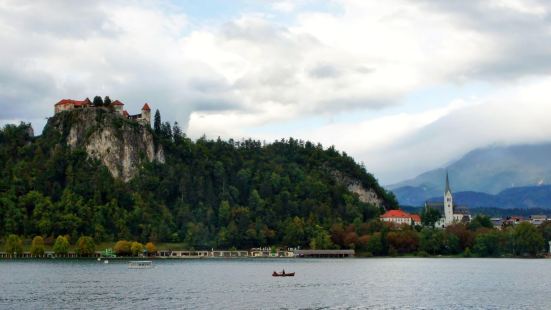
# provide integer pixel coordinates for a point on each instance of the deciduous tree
(61, 246)
(37, 246)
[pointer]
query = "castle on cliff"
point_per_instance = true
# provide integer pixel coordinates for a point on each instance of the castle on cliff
(115, 106)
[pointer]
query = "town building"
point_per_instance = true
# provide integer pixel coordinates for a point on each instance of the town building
(538, 219)
(400, 217)
(451, 213)
(116, 106)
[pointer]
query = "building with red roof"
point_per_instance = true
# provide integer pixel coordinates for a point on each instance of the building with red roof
(400, 217)
(70, 104)
(117, 106)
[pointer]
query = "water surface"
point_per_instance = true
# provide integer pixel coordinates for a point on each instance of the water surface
(389, 283)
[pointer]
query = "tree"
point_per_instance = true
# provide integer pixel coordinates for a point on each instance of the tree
(14, 245)
(321, 239)
(86, 246)
(488, 244)
(404, 241)
(432, 240)
(136, 248)
(374, 244)
(480, 221)
(150, 248)
(157, 122)
(545, 229)
(98, 102)
(429, 216)
(527, 240)
(37, 246)
(107, 101)
(123, 248)
(61, 246)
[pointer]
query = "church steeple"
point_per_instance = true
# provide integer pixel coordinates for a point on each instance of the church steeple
(447, 183)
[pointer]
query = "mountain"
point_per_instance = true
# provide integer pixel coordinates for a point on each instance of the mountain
(95, 173)
(513, 198)
(488, 170)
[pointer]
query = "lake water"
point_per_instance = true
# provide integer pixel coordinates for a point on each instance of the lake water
(389, 283)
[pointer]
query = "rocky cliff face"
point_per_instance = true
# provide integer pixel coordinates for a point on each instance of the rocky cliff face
(122, 145)
(364, 195)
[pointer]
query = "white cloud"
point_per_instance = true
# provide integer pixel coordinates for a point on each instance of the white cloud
(232, 77)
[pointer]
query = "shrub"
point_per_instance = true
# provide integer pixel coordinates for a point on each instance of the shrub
(37, 246)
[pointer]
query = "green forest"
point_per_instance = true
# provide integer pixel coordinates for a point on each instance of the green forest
(208, 193)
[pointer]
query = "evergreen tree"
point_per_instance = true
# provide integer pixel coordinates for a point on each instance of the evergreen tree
(98, 102)
(176, 132)
(107, 101)
(157, 122)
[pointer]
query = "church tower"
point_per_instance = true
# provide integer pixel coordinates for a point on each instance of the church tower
(448, 203)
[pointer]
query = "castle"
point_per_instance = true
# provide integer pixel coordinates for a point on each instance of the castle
(451, 213)
(116, 106)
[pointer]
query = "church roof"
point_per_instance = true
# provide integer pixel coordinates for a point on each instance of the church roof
(146, 107)
(447, 183)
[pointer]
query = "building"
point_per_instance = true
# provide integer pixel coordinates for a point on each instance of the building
(70, 104)
(400, 217)
(116, 106)
(451, 213)
(324, 253)
(538, 219)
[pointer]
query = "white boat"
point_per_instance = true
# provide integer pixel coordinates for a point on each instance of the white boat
(142, 264)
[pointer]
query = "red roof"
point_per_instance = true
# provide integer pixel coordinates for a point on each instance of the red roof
(116, 102)
(76, 103)
(125, 113)
(395, 213)
(146, 107)
(416, 218)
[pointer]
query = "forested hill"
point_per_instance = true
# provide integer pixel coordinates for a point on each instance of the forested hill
(203, 193)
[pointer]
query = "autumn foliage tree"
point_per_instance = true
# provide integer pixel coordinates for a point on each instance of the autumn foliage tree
(122, 248)
(85, 246)
(150, 248)
(37, 246)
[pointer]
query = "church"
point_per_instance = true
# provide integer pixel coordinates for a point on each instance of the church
(451, 213)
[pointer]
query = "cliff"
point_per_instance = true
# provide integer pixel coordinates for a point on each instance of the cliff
(365, 194)
(122, 145)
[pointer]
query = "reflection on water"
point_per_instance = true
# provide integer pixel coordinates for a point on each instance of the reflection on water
(391, 283)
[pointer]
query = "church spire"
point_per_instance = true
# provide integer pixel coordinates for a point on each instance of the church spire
(447, 183)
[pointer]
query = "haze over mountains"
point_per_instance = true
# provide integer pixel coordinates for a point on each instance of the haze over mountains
(496, 176)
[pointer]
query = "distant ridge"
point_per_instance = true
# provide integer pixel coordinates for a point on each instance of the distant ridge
(489, 170)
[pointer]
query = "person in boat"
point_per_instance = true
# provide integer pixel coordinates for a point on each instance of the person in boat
(283, 273)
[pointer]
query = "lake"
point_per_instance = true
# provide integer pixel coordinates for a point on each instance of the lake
(386, 283)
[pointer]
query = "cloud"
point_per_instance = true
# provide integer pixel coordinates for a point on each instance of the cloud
(343, 76)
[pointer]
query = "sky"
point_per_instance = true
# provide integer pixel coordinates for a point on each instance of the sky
(402, 86)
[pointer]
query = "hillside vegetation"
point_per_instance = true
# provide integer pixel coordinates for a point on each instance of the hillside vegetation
(205, 193)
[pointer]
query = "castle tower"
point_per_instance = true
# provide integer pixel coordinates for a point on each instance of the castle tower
(448, 203)
(146, 114)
